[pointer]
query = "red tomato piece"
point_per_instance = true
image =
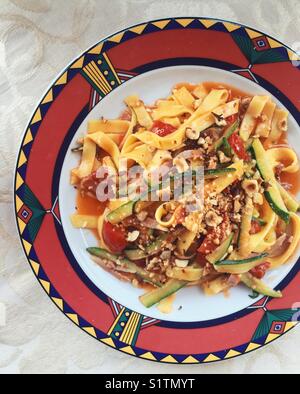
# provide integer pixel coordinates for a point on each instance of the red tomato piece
(255, 227)
(231, 119)
(238, 146)
(201, 260)
(260, 271)
(114, 237)
(162, 129)
(208, 245)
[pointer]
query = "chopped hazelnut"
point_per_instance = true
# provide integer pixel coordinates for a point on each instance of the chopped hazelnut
(223, 158)
(250, 186)
(212, 219)
(181, 263)
(133, 236)
(192, 134)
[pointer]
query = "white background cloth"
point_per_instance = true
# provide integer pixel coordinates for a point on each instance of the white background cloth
(37, 39)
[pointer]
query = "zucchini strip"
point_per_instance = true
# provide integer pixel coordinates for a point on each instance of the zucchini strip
(228, 133)
(238, 267)
(143, 274)
(121, 213)
(212, 174)
(291, 203)
(273, 195)
(151, 250)
(221, 251)
(220, 184)
(188, 274)
(259, 286)
(157, 295)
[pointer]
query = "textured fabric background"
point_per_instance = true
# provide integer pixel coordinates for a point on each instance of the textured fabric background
(37, 39)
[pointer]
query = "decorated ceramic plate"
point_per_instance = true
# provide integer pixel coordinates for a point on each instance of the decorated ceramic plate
(169, 280)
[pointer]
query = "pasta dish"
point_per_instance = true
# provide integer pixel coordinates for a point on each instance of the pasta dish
(197, 189)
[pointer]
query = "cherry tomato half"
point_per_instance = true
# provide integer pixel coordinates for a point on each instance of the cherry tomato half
(114, 237)
(260, 271)
(162, 129)
(238, 146)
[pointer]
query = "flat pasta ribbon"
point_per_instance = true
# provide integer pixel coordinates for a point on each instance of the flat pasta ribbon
(254, 111)
(285, 156)
(295, 239)
(88, 158)
(107, 144)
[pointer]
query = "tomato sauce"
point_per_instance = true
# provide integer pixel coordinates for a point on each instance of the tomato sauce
(293, 180)
(235, 93)
(90, 206)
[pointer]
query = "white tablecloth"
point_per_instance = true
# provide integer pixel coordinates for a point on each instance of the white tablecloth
(37, 39)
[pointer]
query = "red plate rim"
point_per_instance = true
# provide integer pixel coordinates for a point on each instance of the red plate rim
(266, 61)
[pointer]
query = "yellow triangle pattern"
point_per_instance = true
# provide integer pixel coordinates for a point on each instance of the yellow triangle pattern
(48, 98)
(59, 302)
(231, 26)
(63, 79)
(274, 43)
(293, 56)
(73, 317)
(35, 266)
(272, 337)
(22, 225)
(139, 29)
(128, 350)
(108, 341)
(289, 325)
(148, 356)
(19, 181)
(169, 359)
(22, 159)
(252, 346)
(161, 24)
(19, 203)
(27, 246)
(184, 22)
(28, 137)
(117, 38)
(232, 353)
(46, 285)
(211, 358)
(253, 34)
(37, 117)
(96, 50)
(208, 23)
(190, 360)
(91, 331)
(79, 63)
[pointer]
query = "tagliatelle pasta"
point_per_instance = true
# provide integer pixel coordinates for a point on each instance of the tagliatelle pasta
(285, 157)
(88, 159)
(183, 192)
(265, 124)
(107, 144)
(279, 124)
(108, 126)
(254, 111)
